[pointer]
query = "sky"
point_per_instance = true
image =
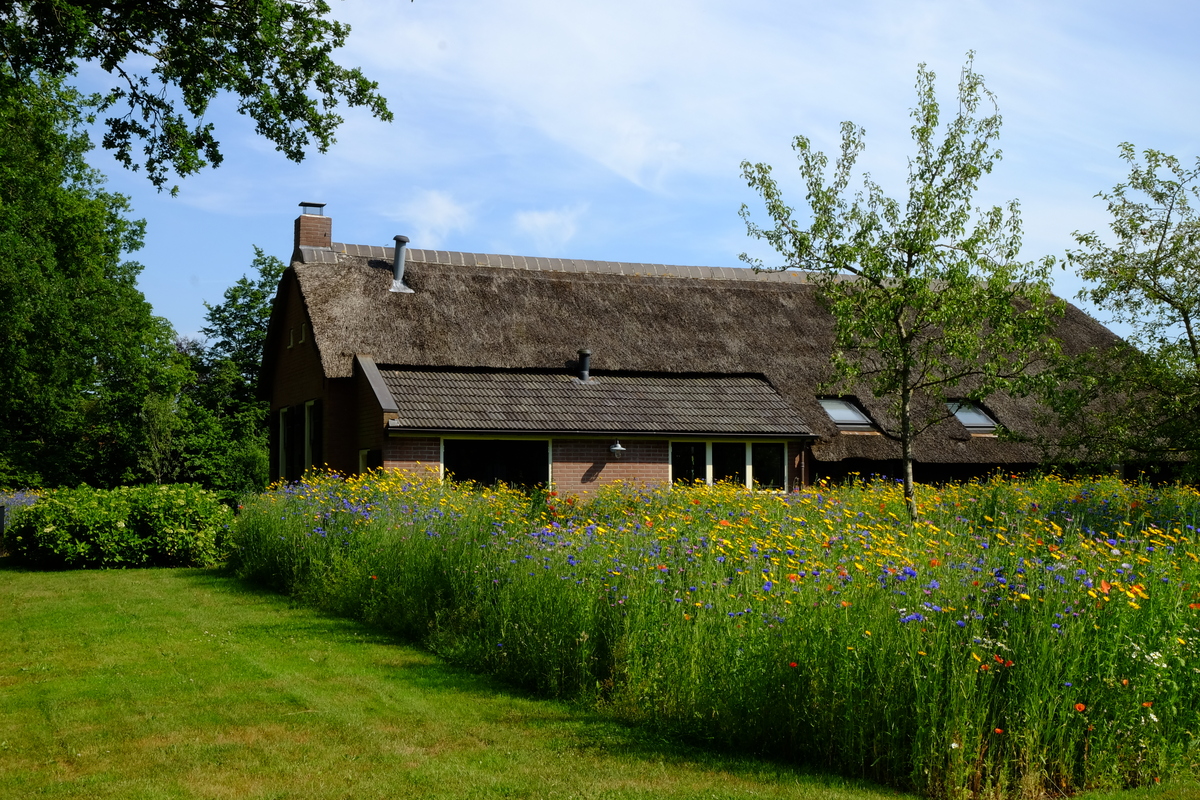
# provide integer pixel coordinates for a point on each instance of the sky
(614, 131)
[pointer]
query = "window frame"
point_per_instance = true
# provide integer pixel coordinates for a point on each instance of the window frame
(748, 445)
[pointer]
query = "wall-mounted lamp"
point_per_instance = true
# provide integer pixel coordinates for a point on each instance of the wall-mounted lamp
(616, 450)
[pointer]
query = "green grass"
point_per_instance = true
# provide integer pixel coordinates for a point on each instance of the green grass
(190, 684)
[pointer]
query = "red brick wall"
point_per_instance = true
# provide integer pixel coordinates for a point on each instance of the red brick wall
(313, 230)
(298, 376)
(369, 431)
(412, 452)
(583, 465)
(340, 412)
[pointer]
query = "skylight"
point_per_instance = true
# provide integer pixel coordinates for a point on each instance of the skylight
(846, 415)
(973, 418)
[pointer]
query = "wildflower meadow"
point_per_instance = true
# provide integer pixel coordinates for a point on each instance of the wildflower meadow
(1023, 637)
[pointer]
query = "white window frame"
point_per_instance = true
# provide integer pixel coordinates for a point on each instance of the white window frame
(708, 458)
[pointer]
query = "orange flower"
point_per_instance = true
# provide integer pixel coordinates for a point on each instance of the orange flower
(1148, 703)
(724, 522)
(999, 730)
(1080, 707)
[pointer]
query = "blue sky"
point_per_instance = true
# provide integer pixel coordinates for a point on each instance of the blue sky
(614, 130)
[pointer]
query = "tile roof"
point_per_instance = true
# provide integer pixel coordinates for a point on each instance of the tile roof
(519, 401)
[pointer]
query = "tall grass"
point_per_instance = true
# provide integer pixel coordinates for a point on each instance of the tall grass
(1023, 637)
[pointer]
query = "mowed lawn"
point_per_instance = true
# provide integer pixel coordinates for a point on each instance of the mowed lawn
(190, 684)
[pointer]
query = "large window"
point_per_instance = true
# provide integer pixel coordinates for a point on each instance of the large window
(516, 462)
(760, 464)
(301, 439)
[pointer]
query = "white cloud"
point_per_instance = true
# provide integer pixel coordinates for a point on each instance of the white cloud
(549, 230)
(431, 215)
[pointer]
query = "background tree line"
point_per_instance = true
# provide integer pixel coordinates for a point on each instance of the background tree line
(94, 388)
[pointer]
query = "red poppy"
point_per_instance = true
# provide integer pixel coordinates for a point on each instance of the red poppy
(793, 664)
(1080, 707)
(999, 730)
(1148, 703)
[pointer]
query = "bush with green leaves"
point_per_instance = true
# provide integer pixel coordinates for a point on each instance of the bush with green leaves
(132, 526)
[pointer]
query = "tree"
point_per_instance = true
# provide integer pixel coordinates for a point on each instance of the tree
(937, 308)
(238, 326)
(171, 59)
(1140, 400)
(81, 349)
(223, 445)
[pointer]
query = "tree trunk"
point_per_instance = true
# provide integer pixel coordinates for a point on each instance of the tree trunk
(906, 437)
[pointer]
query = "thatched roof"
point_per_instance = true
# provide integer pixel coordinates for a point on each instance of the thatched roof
(509, 312)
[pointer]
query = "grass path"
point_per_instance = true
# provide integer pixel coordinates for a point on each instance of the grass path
(189, 684)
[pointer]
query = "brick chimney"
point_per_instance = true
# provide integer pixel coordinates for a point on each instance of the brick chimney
(313, 228)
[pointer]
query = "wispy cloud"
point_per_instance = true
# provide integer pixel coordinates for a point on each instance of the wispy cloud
(431, 215)
(549, 230)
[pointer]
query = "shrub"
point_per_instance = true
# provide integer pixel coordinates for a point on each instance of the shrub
(131, 526)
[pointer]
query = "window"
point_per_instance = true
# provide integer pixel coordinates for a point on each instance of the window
(516, 462)
(760, 464)
(973, 418)
(846, 415)
(689, 462)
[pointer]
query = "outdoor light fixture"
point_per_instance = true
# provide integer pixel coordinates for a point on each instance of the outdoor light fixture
(616, 450)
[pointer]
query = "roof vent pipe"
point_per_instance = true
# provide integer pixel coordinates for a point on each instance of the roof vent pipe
(585, 365)
(398, 266)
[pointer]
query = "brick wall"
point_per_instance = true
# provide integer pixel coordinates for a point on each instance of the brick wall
(582, 465)
(369, 431)
(298, 375)
(412, 452)
(313, 231)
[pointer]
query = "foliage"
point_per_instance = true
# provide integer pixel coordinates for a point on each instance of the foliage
(939, 308)
(161, 526)
(237, 327)
(222, 441)
(81, 349)
(1018, 638)
(1140, 401)
(171, 60)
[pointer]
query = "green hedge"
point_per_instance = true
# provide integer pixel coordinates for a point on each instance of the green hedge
(131, 526)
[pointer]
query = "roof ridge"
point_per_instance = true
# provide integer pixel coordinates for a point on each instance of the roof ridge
(543, 264)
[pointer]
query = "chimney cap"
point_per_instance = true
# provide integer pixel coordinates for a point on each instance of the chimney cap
(318, 206)
(401, 239)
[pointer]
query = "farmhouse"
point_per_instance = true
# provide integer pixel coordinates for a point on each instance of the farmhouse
(533, 370)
